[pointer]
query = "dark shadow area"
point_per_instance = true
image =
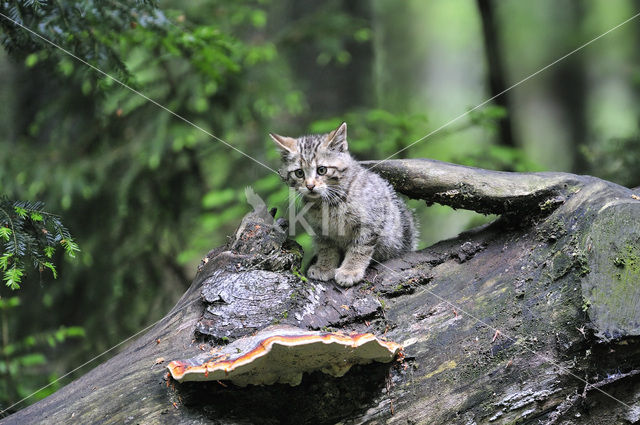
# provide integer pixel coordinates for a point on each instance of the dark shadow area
(319, 399)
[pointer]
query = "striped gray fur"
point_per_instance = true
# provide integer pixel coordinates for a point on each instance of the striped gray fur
(354, 213)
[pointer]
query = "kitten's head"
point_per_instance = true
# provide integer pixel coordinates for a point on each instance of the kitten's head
(316, 165)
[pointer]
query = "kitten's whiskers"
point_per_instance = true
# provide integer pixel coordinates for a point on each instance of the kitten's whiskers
(334, 195)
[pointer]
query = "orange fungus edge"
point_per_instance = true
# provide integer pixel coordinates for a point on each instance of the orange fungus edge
(178, 368)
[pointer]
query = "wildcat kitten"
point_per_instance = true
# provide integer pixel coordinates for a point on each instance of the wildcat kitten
(355, 214)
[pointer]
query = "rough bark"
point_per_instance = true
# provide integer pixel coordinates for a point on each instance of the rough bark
(533, 318)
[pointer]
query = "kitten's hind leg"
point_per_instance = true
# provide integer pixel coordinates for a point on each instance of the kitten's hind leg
(356, 261)
(328, 260)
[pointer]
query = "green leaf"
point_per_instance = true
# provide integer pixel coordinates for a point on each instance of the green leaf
(9, 349)
(31, 60)
(259, 18)
(70, 247)
(12, 277)
(5, 232)
(495, 112)
(36, 216)
(65, 66)
(32, 359)
(49, 251)
(60, 335)
(29, 341)
(8, 303)
(20, 211)
(217, 198)
(75, 331)
(52, 268)
(4, 260)
(362, 35)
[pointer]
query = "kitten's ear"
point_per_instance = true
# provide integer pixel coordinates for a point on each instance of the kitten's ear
(337, 139)
(284, 143)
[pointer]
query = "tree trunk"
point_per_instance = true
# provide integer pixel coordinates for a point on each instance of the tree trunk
(495, 69)
(570, 86)
(533, 318)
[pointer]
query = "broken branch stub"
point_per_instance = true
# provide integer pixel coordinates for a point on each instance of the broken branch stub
(476, 189)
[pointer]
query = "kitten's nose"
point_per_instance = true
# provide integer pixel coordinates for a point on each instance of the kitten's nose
(310, 186)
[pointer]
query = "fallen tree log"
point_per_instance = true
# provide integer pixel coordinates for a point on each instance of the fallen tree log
(534, 318)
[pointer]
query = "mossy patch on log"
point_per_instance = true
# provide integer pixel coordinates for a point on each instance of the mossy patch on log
(612, 291)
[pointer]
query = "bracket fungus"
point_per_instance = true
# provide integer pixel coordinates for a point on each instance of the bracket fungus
(281, 354)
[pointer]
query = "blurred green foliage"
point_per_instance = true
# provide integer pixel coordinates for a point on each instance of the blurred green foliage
(617, 159)
(146, 194)
(26, 360)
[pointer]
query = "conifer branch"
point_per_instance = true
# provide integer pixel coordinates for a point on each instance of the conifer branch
(30, 232)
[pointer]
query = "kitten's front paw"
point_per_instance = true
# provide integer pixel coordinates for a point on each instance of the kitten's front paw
(348, 277)
(318, 273)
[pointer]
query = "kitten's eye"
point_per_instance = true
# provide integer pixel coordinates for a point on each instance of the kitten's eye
(322, 170)
(299, 173)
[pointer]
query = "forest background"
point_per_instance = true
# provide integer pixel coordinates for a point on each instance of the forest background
(146, 194)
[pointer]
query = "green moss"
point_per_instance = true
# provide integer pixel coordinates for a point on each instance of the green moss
(451, 364)
(569, 258)
(633, 257)
(582, 264)
(628, 263)
(616, 300)
(619, 262)
(398, 288)
(585, 304)
(297, 273)
(548, 205)
(382, 303)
